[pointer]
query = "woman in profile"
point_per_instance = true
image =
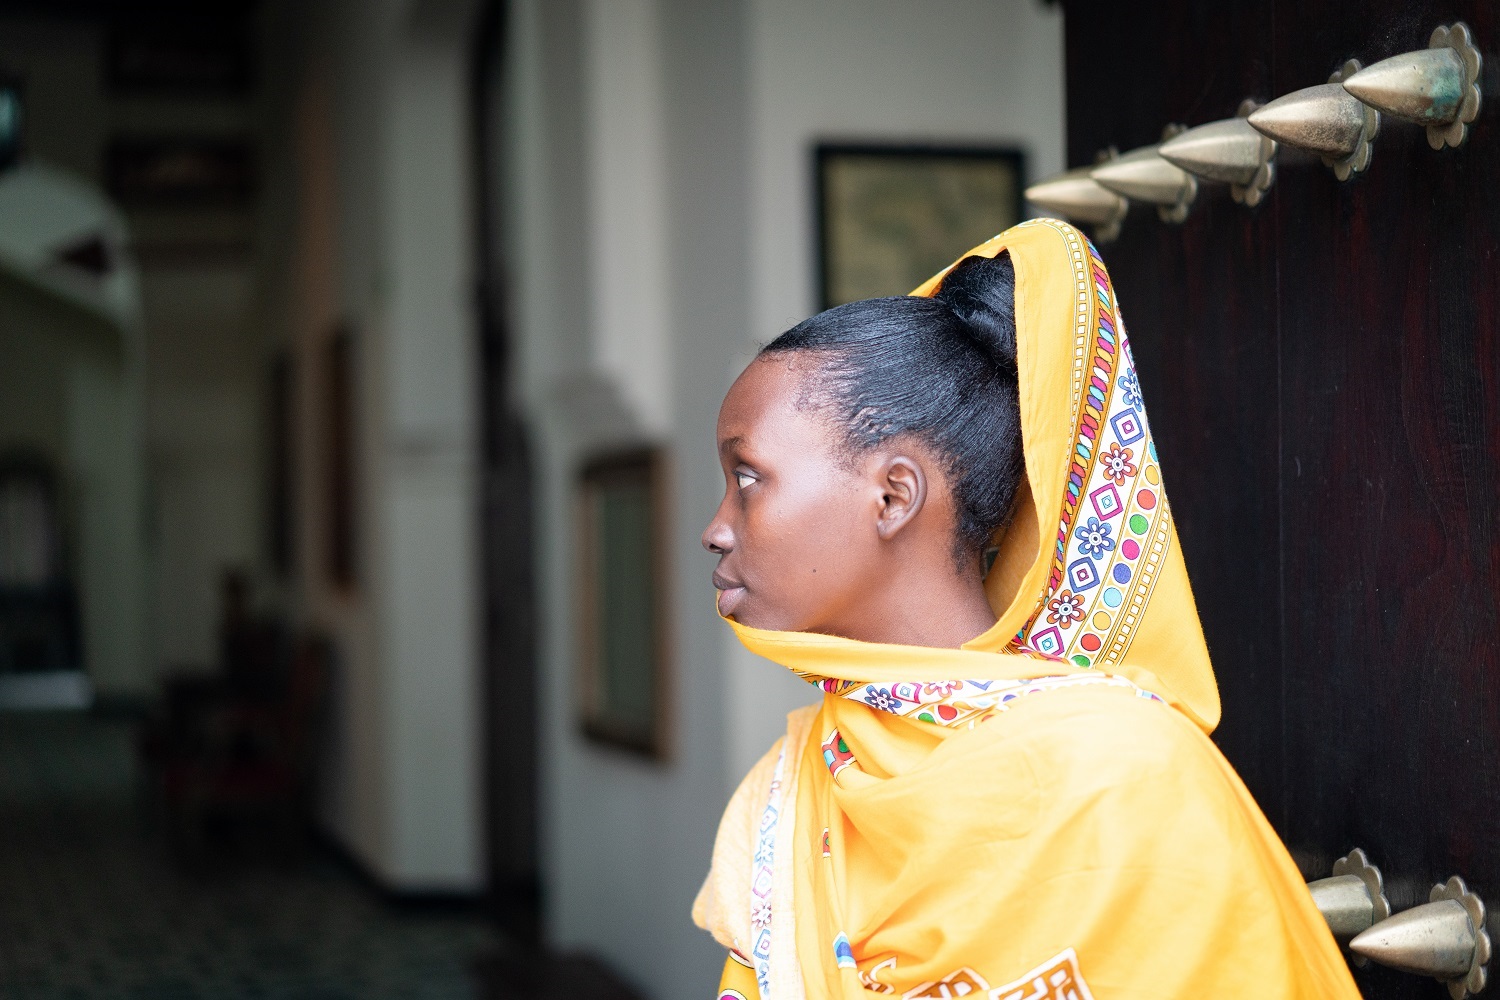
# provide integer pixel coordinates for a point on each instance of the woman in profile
(945, 511)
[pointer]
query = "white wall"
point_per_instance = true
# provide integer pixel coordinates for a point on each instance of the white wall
(430, 510)
(624, 104)
(368, 149)
(631, 320)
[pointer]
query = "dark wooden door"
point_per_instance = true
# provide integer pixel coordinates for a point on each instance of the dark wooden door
(1323, 377)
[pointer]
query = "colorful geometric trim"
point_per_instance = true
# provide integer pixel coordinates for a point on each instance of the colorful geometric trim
(763, 865)
(836, 753)
(870, 978)
(958, 983)
(1097, 390)
(1115, 527)
(955, 704)
(1058, 978)
(843, 955)
(828, 685)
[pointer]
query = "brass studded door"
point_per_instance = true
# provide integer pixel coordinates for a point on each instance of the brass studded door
(1324, 371)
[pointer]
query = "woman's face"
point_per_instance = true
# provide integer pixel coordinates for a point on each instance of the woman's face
(795, 534)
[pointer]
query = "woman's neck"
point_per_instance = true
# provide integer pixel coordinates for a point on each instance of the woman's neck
(942, 613)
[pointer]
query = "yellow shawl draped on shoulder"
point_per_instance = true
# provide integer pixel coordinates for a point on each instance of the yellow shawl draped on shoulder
(1039, 814)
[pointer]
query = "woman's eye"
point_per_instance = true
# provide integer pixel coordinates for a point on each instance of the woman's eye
(744, 479)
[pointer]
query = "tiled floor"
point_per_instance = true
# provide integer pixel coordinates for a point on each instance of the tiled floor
(92, 909)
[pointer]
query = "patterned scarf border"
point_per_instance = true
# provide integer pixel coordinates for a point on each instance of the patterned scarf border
(952, 704)
(1107, 554)
(761, 880)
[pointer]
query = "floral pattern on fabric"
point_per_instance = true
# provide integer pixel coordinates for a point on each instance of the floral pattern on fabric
(966, 703)
(1117, 464)
(1065, 607)
(1093, 539)
(1130, 390)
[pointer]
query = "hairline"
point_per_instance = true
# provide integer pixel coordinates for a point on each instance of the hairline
(816, 396)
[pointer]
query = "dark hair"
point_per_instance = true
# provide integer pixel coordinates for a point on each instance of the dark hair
(941, 370)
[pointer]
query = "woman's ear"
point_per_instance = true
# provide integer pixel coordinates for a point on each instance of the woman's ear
(903, 486)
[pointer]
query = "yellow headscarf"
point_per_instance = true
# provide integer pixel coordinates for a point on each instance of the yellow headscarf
(891, 843)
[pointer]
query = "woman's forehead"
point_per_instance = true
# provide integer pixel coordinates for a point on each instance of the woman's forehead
(765, 401)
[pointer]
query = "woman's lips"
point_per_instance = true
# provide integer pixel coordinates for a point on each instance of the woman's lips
(730, 599)
(731, 593)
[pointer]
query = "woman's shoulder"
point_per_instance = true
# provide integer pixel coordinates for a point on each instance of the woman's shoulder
(1107, 736)
(1105, 773)
(1096, 751)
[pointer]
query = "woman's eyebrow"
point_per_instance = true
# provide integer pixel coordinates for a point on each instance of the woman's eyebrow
(730, 444)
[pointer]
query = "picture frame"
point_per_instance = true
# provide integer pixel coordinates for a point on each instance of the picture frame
(180, 172)
(624, 656)
(889, 216)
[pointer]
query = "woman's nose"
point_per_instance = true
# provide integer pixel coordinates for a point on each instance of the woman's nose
(717, 537)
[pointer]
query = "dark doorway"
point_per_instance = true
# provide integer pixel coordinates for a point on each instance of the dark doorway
(507, 529)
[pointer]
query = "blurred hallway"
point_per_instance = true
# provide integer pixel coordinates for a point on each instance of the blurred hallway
(332, 332)
(94, 908)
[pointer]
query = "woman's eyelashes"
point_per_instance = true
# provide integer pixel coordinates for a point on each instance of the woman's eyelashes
(743, 478)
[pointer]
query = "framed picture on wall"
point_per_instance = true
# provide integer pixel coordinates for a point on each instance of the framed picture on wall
(623, 655)
(890, 217)
(180, 171)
